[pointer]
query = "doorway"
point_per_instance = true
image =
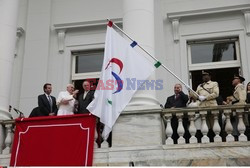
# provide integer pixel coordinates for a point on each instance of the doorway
(223, 76)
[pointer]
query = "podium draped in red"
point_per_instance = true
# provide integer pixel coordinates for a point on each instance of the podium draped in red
(54, 141)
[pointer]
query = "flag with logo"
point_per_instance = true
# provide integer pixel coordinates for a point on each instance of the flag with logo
(123, 71)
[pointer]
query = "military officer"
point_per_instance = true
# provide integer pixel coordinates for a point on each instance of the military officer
(238, 98)
(208, 91)
(239, 95)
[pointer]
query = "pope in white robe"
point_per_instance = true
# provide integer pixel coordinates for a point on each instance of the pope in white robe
(66, 101)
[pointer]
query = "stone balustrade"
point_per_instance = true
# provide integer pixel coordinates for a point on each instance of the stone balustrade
(154, 132)
(230, 120)
(6, 134)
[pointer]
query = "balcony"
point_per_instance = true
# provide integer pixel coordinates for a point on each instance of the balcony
(143, 138)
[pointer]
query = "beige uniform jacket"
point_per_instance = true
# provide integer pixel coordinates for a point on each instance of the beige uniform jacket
(239, 94)
(211, 92)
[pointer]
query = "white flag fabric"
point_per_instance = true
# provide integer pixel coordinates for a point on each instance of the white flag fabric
(123, 71)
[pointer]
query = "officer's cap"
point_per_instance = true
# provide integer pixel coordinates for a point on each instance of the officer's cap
(236, 76)
(205, 72)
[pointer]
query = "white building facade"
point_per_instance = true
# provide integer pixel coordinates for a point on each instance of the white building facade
(62, 41)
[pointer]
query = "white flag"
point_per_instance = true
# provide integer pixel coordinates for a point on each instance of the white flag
(123, 72)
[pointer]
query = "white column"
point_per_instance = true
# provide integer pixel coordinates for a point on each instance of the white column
(8, 28)
(138, 23)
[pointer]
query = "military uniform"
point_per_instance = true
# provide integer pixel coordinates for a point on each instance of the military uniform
(239, 98)
(239, 95)
(210, 90)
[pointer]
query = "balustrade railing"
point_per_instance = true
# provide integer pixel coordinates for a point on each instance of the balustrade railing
(229, 124)
(6, 136)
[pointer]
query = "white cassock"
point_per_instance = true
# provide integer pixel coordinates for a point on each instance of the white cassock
(65, 109)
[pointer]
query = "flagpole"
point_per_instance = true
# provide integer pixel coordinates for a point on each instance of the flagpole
(166, 68)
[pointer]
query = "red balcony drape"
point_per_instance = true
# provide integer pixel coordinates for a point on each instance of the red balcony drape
(54, 141)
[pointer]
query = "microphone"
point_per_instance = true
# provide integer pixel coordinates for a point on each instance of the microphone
(19, 112)
(16, 110)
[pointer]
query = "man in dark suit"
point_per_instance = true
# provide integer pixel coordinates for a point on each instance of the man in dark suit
(46, 102)
(179, 99)
(85, 98)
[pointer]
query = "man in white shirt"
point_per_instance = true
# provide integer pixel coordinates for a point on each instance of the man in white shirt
(66, 100)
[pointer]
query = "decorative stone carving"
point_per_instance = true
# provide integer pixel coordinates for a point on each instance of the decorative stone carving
(247, 21)
(8, 140)
(192, 128)
(204, 127)
(216, 127)
(175, 25)
(19, 34)
(241, 125)
(169, 130)
(228, 127)
(61, 37)
(180, 129)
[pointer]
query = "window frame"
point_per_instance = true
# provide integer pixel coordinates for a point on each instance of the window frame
(213, 65)
(87, 75)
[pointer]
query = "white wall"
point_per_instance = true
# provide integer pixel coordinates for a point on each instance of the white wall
(65, 11)
(42, 62)
(18, 60)
(39, 60)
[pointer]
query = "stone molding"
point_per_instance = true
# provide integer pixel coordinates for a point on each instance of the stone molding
(175, 17)
(62, 28)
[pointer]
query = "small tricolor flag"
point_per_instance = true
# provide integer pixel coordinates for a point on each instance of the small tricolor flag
(121, 62)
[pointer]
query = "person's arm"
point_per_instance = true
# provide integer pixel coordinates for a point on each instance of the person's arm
(55, 109)
(63, 99)
(242, 95)
(193, 95)
(168, 103)
(42, 106)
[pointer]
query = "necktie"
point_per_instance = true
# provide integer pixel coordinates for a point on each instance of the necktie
(50, 103)
(177, 96)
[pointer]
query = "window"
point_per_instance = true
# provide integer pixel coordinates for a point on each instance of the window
(213, 52)
(220, 56)
(87, 64)
(217, 53)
